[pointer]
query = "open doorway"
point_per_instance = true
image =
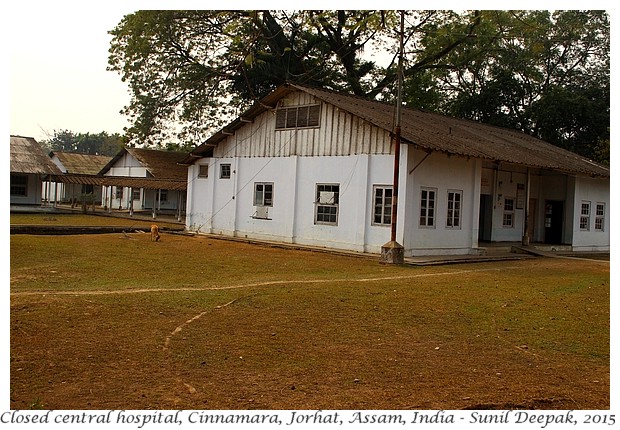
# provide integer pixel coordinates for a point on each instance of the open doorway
(554, 221)
(485, 218)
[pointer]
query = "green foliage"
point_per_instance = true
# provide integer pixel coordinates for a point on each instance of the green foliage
(85, 143)
(545, 74)
(192, 71)
(36, 404)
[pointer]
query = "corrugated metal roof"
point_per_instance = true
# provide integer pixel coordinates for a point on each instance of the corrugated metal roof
(27, 156)
(87, 164)
(442, 133)
(432, 132)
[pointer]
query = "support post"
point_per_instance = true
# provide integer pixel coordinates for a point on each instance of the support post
(130, 201)
(525, 241)
(156, 196)
(393, 252)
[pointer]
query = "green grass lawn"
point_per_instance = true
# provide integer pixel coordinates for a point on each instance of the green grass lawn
(118, 322)
(57, 219)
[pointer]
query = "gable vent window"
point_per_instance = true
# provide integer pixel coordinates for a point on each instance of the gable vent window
(297, 117)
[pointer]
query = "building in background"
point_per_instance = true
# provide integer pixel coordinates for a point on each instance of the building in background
(31, 168)
(76, 165)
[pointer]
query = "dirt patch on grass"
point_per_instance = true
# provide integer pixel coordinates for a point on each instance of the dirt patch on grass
(196, 323)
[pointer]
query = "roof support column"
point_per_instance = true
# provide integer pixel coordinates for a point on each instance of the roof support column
(48, 185)
(156, 199)
(130, 201)
(56, 193)
(525, 241)
(179, 198)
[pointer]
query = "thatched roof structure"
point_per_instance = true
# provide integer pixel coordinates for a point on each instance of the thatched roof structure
(27, 156)
(82, 164)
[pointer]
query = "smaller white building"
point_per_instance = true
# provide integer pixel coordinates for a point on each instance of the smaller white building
(315, 167)
(30, 170)
(145, 179)
(77, 165)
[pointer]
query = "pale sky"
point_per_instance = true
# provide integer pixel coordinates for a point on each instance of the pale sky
(57, 72)
(57, 57)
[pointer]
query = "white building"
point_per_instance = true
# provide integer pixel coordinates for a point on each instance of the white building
(30, 171)
(145, 179)
(315, 167)
(77, 165)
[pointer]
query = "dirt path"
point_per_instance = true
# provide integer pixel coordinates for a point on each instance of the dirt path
(251, 285)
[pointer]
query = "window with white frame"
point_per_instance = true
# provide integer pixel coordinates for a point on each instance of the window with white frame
(509, 212)
(453, 219)
(382, 205)
(326, 204)
(427, 207)
(584, 219)
(263, 194)
(136, 194)
(203, 171)
(119, 193)
(225, 171)
(297, 117)
(599, 221)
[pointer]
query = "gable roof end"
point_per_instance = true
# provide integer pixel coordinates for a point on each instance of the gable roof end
(160, 164)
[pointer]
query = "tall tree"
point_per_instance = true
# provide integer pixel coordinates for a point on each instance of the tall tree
(541, 72)
(189, 71)
(85, 143)
(544, 73)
